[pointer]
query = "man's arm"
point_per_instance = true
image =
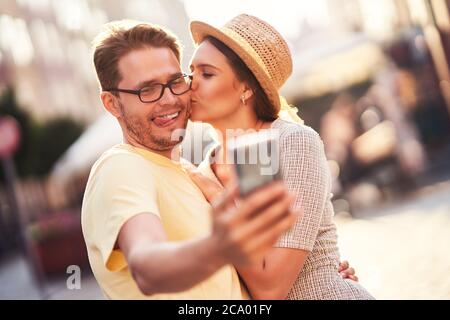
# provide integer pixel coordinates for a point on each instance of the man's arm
(240, 236)
(159, 266)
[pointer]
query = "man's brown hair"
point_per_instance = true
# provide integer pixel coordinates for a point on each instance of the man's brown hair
(121, 37)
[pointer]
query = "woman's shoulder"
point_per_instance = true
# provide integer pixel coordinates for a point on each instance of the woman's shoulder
(296, 134)
(301, 150)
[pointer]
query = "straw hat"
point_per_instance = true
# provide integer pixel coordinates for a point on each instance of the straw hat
(260, 47)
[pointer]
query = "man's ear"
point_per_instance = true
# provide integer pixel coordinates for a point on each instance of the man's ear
(111, 104)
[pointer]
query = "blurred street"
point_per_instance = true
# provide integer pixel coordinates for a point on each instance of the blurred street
(17, 284)
(402, 251)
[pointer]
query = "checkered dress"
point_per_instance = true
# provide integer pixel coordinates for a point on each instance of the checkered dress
(306, 174)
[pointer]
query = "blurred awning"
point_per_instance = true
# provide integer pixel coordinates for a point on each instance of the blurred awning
(78, 159)
(333, 66)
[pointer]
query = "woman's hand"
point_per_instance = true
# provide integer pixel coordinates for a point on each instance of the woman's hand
(210, 188)
(347, 272)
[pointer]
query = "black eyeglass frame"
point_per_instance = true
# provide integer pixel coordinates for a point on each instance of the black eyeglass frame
(163, 88)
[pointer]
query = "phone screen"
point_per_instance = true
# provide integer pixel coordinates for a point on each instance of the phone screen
(256, 158)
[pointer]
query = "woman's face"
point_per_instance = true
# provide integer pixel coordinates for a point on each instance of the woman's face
(216, 92)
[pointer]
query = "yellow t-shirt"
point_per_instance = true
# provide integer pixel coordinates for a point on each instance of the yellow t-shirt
(127, 181)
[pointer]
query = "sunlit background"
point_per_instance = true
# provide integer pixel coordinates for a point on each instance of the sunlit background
(372, 77)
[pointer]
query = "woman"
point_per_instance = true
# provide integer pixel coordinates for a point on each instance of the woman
(237, 72)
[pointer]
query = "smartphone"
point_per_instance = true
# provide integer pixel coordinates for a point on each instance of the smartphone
(256, 158)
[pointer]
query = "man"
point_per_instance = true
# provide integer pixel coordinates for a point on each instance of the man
(149, 231)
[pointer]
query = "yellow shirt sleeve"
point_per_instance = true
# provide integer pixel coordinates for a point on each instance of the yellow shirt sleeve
(122, 186)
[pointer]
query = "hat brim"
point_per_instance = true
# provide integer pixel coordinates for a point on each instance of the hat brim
(200, 30)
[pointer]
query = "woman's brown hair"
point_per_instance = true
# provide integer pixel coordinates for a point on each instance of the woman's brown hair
(263, 108)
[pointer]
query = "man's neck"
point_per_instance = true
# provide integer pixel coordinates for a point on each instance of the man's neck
(172, 154)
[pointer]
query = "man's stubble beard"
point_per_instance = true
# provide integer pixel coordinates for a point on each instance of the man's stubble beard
(143, 134)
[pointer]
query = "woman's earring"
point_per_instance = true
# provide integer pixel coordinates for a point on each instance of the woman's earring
(243, 100)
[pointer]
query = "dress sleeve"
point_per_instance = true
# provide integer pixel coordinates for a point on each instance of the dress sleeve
(306, 175)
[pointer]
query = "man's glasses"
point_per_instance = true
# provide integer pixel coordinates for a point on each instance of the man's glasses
(154, 92)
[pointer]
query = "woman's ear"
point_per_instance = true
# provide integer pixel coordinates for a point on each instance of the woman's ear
(111, 104)
(248, 92)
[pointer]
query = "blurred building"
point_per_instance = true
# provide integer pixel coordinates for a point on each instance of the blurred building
(376, 78)
(45, 56)
(350, 35)
(45, 49)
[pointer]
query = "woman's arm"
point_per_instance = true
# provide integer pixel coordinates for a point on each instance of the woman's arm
(272, 279)
(305, 173)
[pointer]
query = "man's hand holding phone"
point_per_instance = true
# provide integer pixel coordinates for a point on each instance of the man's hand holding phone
(254, 208)
(242, 234)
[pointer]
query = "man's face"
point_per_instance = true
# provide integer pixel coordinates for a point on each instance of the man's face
(151, 124)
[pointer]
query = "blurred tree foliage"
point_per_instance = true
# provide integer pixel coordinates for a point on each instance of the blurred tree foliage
(41, 144)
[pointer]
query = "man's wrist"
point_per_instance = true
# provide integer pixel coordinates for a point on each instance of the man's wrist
(212, 253)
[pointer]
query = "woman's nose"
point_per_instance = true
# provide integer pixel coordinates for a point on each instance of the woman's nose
(194, 83)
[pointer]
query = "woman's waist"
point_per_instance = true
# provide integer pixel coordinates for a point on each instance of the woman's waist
(323, 256)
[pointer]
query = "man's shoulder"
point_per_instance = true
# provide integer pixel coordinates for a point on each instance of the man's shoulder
(118, 168)
(120, 158)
